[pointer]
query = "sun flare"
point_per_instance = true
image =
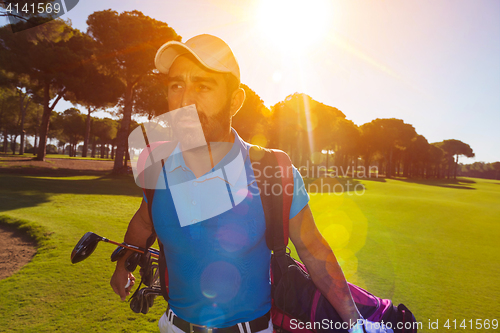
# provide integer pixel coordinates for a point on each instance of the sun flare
(294, 24)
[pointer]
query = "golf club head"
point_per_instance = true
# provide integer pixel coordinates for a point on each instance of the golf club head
(136, 302)
(118, 253)
(132, 261)
(150, 295)
(85, 247)
(145, 305)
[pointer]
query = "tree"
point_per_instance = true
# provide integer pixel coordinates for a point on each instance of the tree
(455, 148)
(33, 121)
(96, 91)
(8, 116)
(51, 55)
(389, 137)
(71, 125)
(368, 142)
(128, 43)
(480, 170)
(106, 130)
(496, 167)
(436, 156)
(25, 94)
(345, 137)
(301, 125)
(61, 144)
(417, 157)
(24, 102)
(253, 117)
(151, 96)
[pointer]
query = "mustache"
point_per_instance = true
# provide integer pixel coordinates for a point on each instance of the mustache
(202, 118)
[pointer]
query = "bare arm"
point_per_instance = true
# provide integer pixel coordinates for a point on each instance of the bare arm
(138, 231)
(322, 265)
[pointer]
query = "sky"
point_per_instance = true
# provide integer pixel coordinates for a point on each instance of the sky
(433, 63)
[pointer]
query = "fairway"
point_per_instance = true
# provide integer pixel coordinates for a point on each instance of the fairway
(431, 246)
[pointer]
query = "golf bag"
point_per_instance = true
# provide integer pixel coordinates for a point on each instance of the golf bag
(294, 295)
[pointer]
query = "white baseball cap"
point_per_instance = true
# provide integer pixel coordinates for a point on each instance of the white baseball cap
(212, 52)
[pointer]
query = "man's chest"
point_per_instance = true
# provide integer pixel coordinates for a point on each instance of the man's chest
(233, 232)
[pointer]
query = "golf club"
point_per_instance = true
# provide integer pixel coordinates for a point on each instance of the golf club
(87, 244)
(120, 251)
(143, 299)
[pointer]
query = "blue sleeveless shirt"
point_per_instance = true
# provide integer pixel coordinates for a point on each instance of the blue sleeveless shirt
(218, 262)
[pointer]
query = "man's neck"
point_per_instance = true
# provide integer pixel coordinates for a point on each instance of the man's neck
(201, 160)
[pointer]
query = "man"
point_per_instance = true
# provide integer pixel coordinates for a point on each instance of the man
(219, 264)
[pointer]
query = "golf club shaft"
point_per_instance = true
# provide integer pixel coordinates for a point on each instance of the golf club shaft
(130, 247)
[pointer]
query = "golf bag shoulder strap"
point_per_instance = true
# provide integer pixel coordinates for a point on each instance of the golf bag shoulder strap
(162, 263)
(162, 266)
(276, 192)
(149, 194)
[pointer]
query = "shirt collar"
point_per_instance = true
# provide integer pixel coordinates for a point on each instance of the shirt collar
(176, 160)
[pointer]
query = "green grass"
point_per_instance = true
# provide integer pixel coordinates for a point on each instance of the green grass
(432, 245)
(51, 294)
(429, 245)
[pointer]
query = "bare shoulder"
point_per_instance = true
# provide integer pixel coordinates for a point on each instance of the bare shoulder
(302, 225)
(142, 215)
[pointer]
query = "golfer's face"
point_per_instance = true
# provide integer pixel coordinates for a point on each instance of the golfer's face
(189, 83)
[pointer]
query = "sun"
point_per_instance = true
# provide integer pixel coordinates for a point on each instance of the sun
(293, 25)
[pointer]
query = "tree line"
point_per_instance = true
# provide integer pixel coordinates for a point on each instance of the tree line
(311, 131)
(111, 66)
(480, 170)
(67, 128)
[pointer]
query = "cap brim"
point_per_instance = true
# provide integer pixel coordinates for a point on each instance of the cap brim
(167, 54)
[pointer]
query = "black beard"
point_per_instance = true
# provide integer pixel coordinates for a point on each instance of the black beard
(217, 125)
(213, 128)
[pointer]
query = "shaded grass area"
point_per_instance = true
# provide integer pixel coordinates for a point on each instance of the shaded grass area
(458, 183)
(10, 164)
(30, 155)
(51, 294)
(429, 246)
(77, 157)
